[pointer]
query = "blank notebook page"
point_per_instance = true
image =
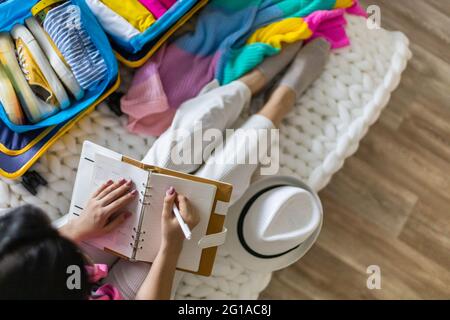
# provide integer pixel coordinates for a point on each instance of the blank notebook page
(105, 169)
(200, 196)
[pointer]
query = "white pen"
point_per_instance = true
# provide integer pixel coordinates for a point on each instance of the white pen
(187, 232)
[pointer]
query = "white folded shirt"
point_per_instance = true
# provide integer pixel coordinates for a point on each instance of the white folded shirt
(112, 23)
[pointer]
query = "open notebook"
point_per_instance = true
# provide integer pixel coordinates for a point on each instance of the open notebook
(138, 239)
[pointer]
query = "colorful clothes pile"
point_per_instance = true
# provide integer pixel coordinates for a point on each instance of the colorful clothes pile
(126, 19)
(230, 38)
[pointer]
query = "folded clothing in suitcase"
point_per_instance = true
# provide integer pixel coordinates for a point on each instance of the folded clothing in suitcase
(135, 42)
(22, 144)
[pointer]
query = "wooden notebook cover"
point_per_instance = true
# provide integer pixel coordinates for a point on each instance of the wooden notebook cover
(216, 221)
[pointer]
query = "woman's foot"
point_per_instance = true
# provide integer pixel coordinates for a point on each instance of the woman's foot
(280, 103)
(307, 66)
(262, 75)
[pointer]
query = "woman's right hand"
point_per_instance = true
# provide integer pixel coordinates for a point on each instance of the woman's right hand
(171, 232)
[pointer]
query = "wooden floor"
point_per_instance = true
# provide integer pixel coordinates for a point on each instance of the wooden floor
(390, 204)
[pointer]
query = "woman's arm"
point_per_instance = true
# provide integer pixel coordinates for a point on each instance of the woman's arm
(158, 284)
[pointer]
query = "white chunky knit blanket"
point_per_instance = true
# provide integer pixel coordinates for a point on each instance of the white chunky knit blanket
(325, 129)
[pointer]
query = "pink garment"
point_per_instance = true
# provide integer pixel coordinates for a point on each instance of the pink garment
(97, 272)
(328, 24)
(146, 104)
(157, 7)
(357, 10)
(106, 292)
(331, 25)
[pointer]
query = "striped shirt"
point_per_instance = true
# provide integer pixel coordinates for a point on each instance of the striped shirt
(64, 26)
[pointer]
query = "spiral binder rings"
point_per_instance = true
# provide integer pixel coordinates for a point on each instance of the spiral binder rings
(136, 236)
(139, 238)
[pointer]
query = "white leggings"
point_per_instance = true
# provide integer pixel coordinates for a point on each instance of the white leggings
(215, 108)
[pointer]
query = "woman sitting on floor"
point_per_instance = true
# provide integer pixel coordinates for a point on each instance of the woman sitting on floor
(35, 257)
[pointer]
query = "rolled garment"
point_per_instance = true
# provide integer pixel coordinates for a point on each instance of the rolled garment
(114, 24)
(64, 26)
(9, 100)
(34, 108)
(158, 7)
(132, 11)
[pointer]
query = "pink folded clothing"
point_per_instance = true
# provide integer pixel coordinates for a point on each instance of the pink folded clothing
(97, 272)
(157, 7)
(150, 110)
(146, 104)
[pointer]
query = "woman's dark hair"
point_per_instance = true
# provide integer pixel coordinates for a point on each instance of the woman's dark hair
(36, 262)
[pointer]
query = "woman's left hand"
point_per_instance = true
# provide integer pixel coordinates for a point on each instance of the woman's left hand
(103, 213)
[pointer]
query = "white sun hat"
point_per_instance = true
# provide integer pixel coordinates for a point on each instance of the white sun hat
(273, 224)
